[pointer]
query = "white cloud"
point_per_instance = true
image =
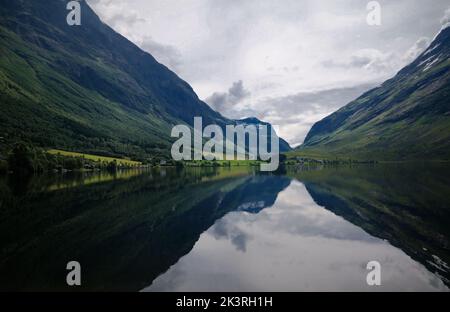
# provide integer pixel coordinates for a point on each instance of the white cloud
(421, 45)
(165, 54)
(445, 21)
(372, 60)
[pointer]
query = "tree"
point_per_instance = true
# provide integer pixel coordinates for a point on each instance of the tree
(20, 159)
(112, 166)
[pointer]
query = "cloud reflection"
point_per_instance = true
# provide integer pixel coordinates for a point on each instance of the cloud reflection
(295, 245)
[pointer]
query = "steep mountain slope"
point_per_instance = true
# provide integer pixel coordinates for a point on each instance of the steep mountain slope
(406, 118)
(86, 88)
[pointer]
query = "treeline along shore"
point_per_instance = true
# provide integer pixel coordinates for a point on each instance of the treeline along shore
(26, 158)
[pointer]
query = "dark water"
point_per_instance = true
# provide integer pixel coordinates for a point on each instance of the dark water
(229, 229)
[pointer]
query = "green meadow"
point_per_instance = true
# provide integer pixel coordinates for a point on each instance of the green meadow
(120, 161)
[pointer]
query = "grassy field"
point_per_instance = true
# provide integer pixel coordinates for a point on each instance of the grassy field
(95, 157)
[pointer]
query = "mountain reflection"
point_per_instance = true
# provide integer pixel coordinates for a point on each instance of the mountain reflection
(125, 232)
(228, 229)
(405, 204)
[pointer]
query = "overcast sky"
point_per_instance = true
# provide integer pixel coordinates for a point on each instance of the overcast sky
(288, 62)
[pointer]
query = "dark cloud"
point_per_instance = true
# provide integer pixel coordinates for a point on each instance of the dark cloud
(225, 229)
(328, 99)
(294, 114)
(224, 102)
(370, 59)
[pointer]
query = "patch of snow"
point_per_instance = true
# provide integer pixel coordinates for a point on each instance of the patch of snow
(439, 264)
(431, 49)
(251, 206)
(428, 66)
(430, 62)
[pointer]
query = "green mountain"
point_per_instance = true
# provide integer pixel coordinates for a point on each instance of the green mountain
(406, 118)
(86, 88)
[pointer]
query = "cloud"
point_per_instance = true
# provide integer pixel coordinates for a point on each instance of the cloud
(445, 21)
(128, 19)
(225, 102)
(295, 114)
(369, 59)
(117, 14)
(165, 54)
(224, 229)
(421, 45)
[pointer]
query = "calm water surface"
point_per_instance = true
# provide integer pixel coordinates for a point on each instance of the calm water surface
(229, 229)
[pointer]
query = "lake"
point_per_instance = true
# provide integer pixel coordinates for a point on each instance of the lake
(229, 229)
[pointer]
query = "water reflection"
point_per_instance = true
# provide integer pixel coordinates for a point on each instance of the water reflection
(405, 204)
(294, 246)
(228, 229)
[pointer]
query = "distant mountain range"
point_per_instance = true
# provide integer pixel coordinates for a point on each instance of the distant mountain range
(87, 88)
(406, 118)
